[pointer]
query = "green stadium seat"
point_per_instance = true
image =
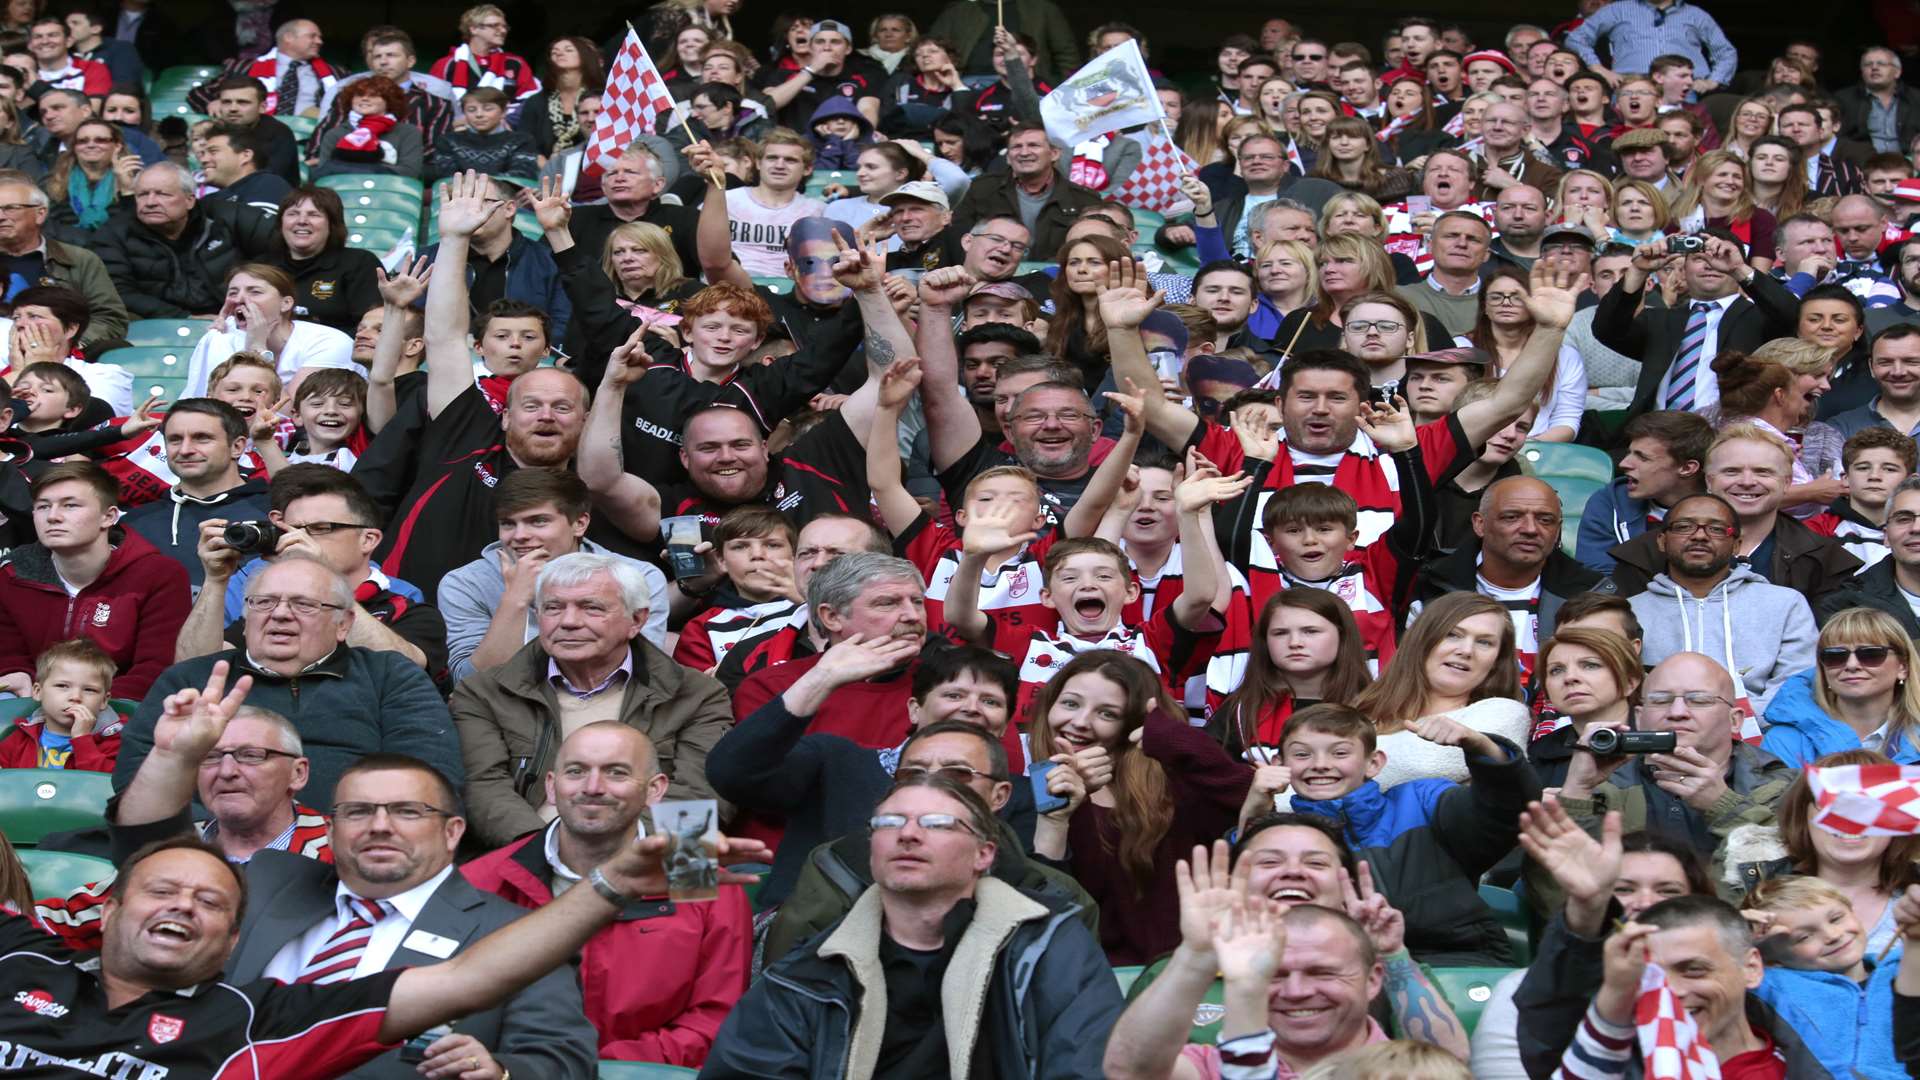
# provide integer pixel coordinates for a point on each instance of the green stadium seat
(167, 333)
(378, 241)
(153, 361)
(1467, 989)
(641, 1070)
(1550, 459)
(1148, 221)
(1206, 1018)
(1514, 918)
(780, 285)
(382, 218)
(356, 182)
(402, 202)
(35, 802)
(822, 179)
(1574, 493)
(301, 126)
(57, 873)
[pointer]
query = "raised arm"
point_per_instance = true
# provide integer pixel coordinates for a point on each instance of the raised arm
(1551, 299)
(1194, 500)
(988, 531)
(398, 293)
(630, 502)
(863, 270)
(203, 634)
(190, 723)
(713, 236)
(1107, 480)
(467, 205)
(952, 425)
(1124, 305)
(1420, 1012)
(898, 510)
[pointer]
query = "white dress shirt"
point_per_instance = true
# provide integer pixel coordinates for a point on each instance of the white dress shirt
(1706, 385)
(402, 909)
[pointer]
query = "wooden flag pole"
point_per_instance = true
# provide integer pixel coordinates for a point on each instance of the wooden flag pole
(719, 179)
(1000, 13)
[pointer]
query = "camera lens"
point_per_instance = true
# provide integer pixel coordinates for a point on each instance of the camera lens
(1603, 741)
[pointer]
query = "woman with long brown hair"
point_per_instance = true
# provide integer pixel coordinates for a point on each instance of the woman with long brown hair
(1143, 788)
(1306, 649)
(91, 180)
(574, 67)
(1778, 169)
(1456, 660)
(1503, 330)
(1350, 157)
(1075, 333)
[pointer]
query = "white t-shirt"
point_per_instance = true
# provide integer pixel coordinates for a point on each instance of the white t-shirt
(309, 345)
(760, 232)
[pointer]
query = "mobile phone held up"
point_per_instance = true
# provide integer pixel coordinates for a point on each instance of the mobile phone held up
(1044, 801)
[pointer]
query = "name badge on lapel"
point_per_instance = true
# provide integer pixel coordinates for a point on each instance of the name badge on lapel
(432, 944)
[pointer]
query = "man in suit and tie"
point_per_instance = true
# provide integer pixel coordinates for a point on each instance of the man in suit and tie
(390, 900)
(1831, 168)
(1727, 305)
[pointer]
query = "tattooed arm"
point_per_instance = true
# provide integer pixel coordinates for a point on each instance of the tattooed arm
(887, 339)
(1419, 1012)
(632, 504)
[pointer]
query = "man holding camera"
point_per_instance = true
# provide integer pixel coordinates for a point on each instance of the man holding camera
(346, 701)
(204, 441)
(326, 513)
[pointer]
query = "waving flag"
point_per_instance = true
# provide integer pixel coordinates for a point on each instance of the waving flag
(1866, 800)
(635, 99)
(1155, 184)
(1670, 1042)
(1113, 91)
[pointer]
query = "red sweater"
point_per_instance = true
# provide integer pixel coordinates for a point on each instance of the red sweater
(133, 610)
(660, 978)
(95, 752)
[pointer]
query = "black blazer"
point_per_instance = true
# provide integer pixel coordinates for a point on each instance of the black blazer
(539, 1032)
(1767, 311)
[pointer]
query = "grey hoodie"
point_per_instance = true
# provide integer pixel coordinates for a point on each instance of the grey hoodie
(469, 595)
(1771, 626)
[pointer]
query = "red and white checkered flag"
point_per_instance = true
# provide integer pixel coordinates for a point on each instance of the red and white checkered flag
(1866, 800)
(1670, 1043)
(635, 99)
(1155, 184)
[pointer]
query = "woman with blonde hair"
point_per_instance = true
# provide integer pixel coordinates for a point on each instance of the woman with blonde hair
(1199, 134)
(1285, 281)
(1456, 660)
(1396, 1059)
(1719, 195)
(1143, 788)
(640, 282)
(1585, 197)
(1358, 212)
(1318, 110)
(1751, 119)
(1860, 693)
(1349, 265)
(1640, 213)
(91, 179)
(1776, 388)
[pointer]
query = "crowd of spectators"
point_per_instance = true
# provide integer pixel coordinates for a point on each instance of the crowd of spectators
(1126, 627)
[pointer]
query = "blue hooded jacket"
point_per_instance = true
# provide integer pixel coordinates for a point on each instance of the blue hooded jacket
(1848, 1027)
(832, 151)
(1611, 517)
(1798, 730)
(1370, 817)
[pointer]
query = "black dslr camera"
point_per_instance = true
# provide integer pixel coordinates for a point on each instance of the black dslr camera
(1612, 742)
(253, 537)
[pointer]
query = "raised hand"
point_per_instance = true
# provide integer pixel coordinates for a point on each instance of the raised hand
(407, 283)
(1585, 868)
(1384, 923)
(192, 721)
(1447, 731)
(1066, 782)
(858, 268)
(263, 425)
(1209, 886)
(35, 345)
(552, 206)
(1196, 191)
(1553, 294)
(1689, 776)
(898, 383)
(639, 870)
(1258, 441)
(1390, 426)
(1648, 257)
(262, 321)
(1724, 255)
(1248, 940)
(858, 658)
(467, 204)
(1623, 959)
(1126, 301)
(1132, 406)
(993, 529)
(701, 159)
(627, 362)
(946, 287)
(1203, 485)
(145, 417)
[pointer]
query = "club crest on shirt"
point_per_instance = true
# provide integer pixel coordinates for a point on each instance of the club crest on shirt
(102, 612)
(162, 1028)
(324, 290)
(1017, 584)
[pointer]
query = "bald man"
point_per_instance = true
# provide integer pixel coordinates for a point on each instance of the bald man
(1710, 784)
(1515, 558)
(659, 980)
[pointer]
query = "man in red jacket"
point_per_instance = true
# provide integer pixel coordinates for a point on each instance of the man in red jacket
(86, 577)
(658, 981)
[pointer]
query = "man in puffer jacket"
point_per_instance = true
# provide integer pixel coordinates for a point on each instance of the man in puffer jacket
(170, 259)
(1003, 984)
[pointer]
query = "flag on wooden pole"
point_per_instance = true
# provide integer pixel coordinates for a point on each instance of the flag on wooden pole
(635, 98)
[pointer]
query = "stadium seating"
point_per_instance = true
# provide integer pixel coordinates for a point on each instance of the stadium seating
(641, 1070)
(57, 873)
(1467, 989)
(35, 802)
(169, 333)
(1512, 913)
(1574, 473)
(156, 369)
(1128, 975)
(345, 183)
(1206, 1018)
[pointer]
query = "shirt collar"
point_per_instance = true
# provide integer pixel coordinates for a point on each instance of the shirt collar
(561, 871)
(619, 675)
(1434, 284)
(406, 904)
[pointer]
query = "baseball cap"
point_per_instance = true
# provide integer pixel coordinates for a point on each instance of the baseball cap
(1567, 228)
(832, 26)
(925, 191)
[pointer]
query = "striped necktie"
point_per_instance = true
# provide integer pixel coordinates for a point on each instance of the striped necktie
(341, 953)
(1686, 363)
(287, 90)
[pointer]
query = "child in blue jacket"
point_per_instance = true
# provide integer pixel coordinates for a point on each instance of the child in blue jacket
(1820, 979)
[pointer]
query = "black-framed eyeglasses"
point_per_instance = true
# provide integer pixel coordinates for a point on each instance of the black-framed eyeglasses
(324, 528)
(1870, 656)
(1687, 527)
(886, 822)
(359, 813)
(959, 774)
(252, 756)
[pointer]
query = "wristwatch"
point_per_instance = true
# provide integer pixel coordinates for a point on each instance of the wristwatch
(605, 888)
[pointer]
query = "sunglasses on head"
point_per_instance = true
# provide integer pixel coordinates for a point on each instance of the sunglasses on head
(1835, 656)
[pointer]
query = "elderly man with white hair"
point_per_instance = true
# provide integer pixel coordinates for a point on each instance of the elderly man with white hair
(345, 701)
(169, 259)
(589, 663)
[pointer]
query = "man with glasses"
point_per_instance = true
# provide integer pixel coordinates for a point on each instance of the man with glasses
(327, 514)
(1891, 585)
(1711, 783)
(659, 979)
(483, 60)
(991, 250)
(43, 261)
(940, 928)
(1504, 156)
(1704, 593)
(1309, 59)
(169, 259)
(345, 701)
(1880, 108)
(589, 663)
